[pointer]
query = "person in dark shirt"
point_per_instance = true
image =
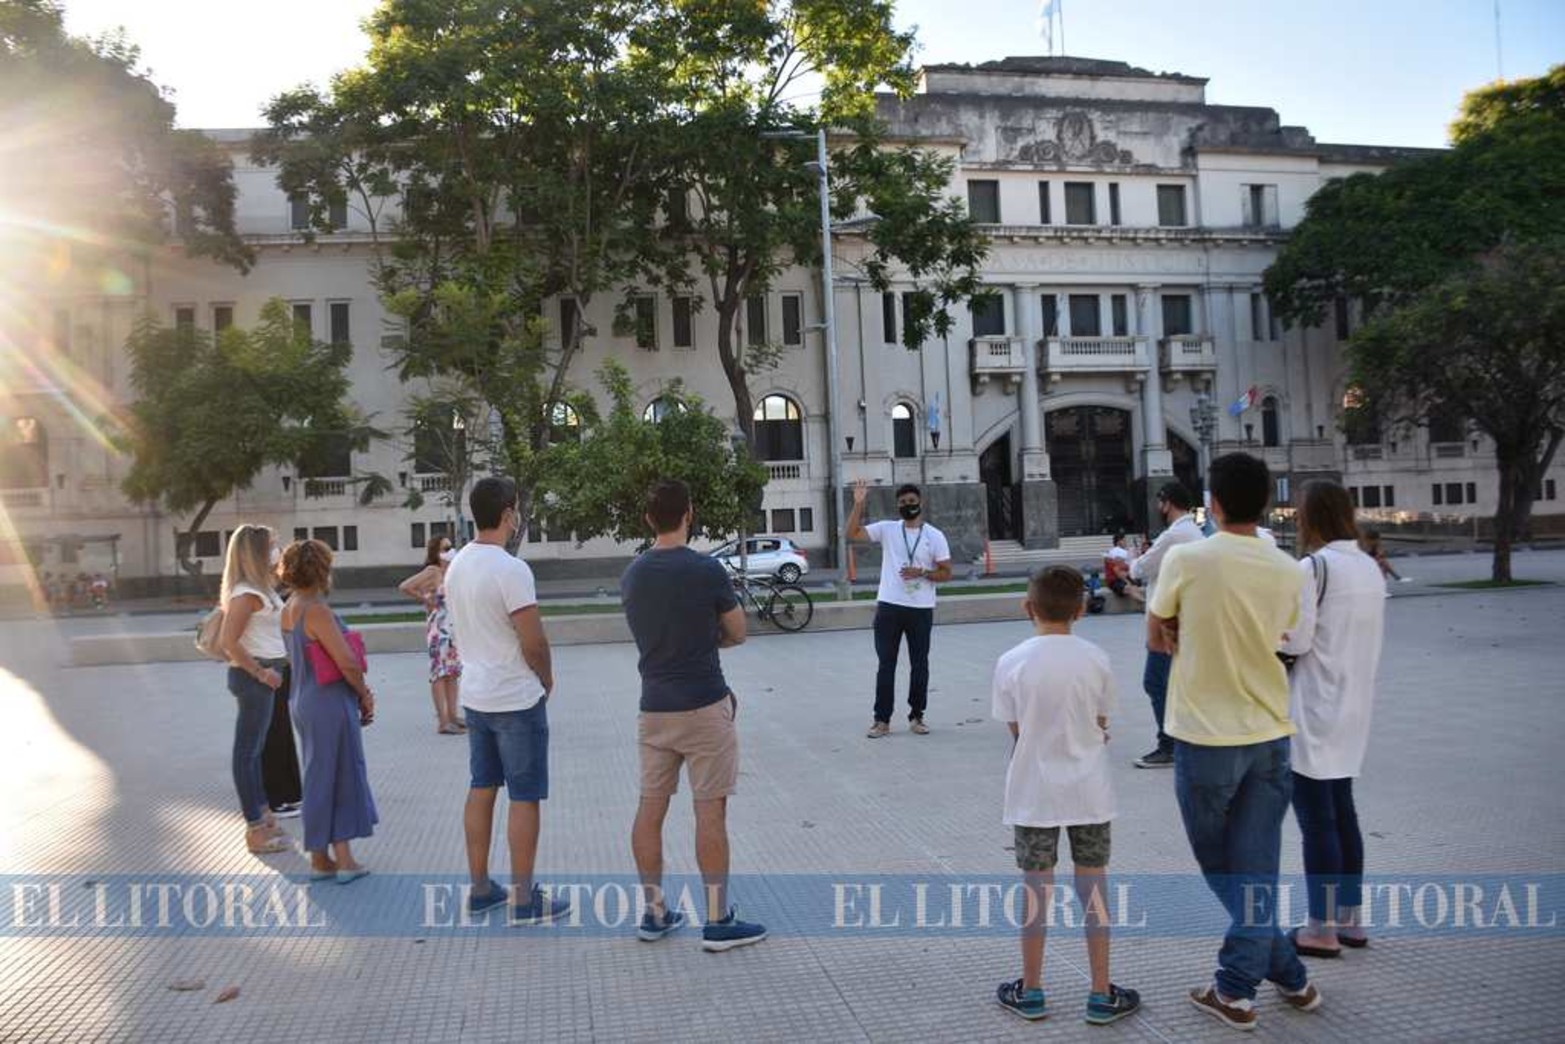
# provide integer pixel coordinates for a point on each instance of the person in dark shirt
(682, 609)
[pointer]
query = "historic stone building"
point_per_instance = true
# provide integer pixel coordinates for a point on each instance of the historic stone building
(1130, 223)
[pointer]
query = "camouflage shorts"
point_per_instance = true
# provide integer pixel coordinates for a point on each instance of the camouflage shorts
(1038, 848)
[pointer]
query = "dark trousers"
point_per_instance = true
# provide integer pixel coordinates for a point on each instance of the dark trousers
(280, 756)
(1232, 801)
(1333, 845)
(1154, 680)
(892, 622)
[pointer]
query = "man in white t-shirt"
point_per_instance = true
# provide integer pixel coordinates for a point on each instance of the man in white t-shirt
(1056, 691)
(1173, 506)
(507, 676)
(914, 557)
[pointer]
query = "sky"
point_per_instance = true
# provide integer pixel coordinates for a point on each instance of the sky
(1381, 72)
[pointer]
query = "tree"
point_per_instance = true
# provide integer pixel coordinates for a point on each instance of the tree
(210, 414)
(448, 433)
(1433, 245)
(598, 486)
(510, 145)
(95, 154)
(743, 203)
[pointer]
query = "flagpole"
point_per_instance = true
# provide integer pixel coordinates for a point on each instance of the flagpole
(1060, 6)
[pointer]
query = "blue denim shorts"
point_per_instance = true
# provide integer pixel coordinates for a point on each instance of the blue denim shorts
(510, 747)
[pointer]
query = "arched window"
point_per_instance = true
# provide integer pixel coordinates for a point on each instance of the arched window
(904, 432)
(779, 429)
(661, 407)
(1360, 422)
(564, 424)
(24, 454)
(1271, 433)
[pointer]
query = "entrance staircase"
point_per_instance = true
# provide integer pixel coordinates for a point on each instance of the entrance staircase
(1009, 556)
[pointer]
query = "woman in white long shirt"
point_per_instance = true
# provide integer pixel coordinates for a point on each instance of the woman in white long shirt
(1337, 642)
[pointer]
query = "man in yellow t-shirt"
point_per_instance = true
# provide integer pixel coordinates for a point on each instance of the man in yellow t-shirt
(1221, 606)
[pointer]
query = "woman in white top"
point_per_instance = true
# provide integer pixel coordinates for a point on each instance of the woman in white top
(1337, 642)
(253, 640)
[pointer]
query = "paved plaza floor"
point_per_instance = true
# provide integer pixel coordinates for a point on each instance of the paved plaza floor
(114, 777)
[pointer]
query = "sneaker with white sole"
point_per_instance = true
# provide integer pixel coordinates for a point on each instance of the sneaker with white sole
(1116, 1004)
(918, 727)
(1307, 999)
(1240, 1014)
(730, 933)
(879, 729)
(652, 928)
(543, 909)
(1031, 1005)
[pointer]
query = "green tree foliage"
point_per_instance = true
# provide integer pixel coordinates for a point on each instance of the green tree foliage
(598, 486)
(210, 414)
(1433, 248)
(94, 152)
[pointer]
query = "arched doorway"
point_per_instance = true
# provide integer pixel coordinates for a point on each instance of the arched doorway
(1187, 463)
(1091, 458)
(1003, 492)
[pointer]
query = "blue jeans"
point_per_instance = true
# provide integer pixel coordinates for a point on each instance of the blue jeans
(1333, 845)
(1233, 800)
(255, 718)
(1154, 681)
(891, 623)
(510, 747)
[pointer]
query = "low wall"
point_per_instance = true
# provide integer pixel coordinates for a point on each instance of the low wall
(106, 649)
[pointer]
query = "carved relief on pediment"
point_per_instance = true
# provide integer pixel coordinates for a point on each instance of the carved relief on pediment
(1075, 141)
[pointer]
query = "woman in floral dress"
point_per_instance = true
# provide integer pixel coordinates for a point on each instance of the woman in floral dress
(445, 667)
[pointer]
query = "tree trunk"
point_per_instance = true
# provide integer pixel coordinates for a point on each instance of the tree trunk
(733, 369)
(185, 540)
(1507, 518)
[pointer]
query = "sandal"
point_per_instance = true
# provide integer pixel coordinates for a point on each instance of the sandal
(449, 729)
(1312, 951)
(271, 846)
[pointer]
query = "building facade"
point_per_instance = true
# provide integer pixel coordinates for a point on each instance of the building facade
(1130, 223)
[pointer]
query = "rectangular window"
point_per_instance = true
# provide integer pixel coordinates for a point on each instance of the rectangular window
(755, 319)
(1080, 206)
(1114, 203)
(185, 319)
(209, 544)
(416, 533)
(793, 320)
(1548, 489)
(222, 317)
(570, 321)
(337, 319)
(806, 520)
(1086, 321)
(1353, 494)
(907, 312)
(304, 317)
(1260, 206)
(1258, 325)
(1453, 492)
(1371, 496)
(1044, 217)
(337, 214)
(1284, 490)
(888, 318)
(330, 457)
(988, 315)
(440, 529)
(1177, 315)
(301, 533)
(677, 208)
(1434, 494)
(1119, 306)
(983, 201)
(327, 535)
(782, 520)
(350, 538)
(298, 213)
(646, 307)
(1344, 329)
(1472, 492)
(1388, 496)
(1051, 315)
(1171, 206)
(683, 310)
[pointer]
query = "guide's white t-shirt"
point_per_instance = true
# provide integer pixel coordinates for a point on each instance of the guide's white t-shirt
(1054, 687)
(485, 584)
(927, 546)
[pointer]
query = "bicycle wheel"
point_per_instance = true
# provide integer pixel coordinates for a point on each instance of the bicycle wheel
(790, 607)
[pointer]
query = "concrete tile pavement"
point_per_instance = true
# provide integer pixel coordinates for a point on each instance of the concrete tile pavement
(118, 773)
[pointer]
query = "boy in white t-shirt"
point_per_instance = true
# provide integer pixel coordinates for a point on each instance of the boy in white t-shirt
(1055, 692)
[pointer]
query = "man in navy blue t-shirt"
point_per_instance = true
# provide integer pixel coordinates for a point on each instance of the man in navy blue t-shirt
(681, 609)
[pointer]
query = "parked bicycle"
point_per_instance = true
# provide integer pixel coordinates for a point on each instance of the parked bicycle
(786, 605)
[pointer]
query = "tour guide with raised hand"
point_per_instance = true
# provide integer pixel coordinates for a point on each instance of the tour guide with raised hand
(914, 558)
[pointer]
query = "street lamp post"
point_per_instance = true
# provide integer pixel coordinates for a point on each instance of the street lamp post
(1203, 418)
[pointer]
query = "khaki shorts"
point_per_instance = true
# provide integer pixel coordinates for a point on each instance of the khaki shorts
(1038, 848)
(703, 739)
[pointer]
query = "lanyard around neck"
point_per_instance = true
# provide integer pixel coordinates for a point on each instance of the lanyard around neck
(912, 549)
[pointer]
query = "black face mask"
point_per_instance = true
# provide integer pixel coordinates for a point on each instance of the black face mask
(909, 511)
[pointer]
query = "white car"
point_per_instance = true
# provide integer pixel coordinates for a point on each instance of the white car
(767, 556)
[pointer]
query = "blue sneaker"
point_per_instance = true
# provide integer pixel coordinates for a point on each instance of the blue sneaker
(1029, 1004)
(730, 933)
(497, 894)
(1104, 1008)
(541, 910)
(652, 929)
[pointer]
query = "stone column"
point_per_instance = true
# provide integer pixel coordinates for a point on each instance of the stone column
(1027, 315)
(1157, 463)
(1040, 501)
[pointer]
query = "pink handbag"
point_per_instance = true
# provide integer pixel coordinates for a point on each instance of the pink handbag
(325, 668)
